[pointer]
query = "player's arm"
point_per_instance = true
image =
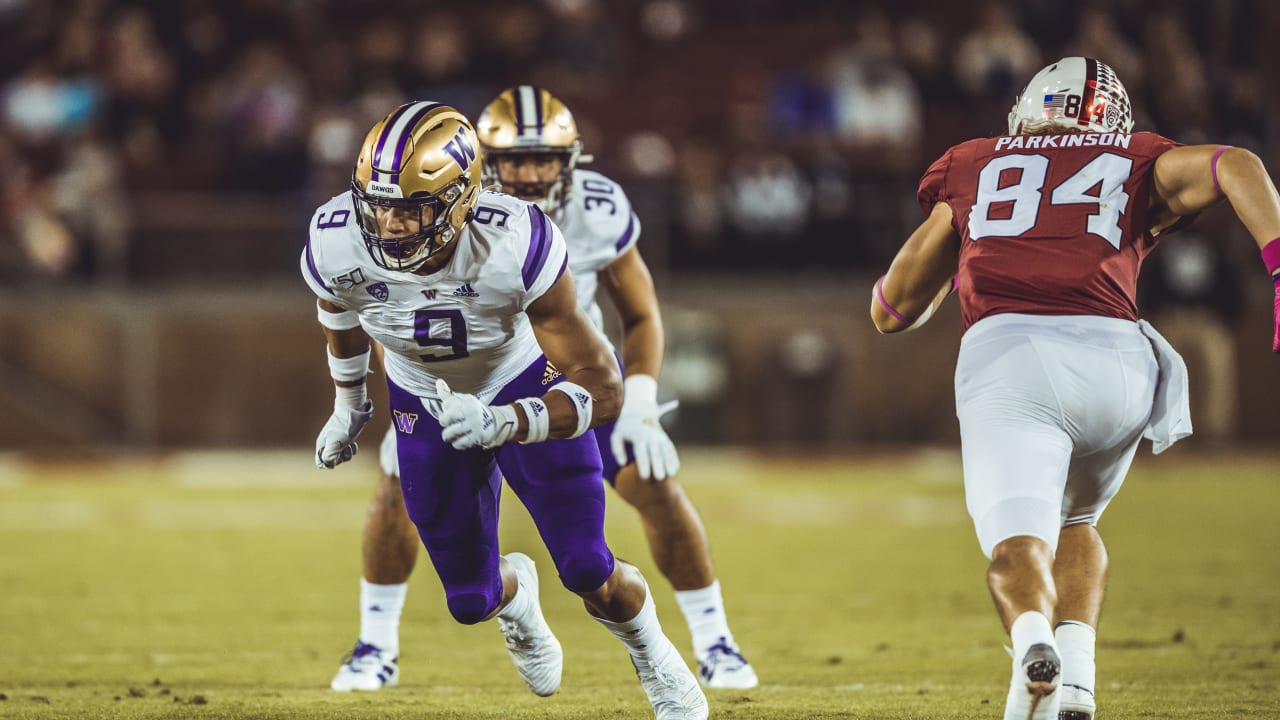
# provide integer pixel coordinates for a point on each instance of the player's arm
(589, 395)
(1189, 179)
(572, 344)
(348, 352)
(630, 287)
(920, 277)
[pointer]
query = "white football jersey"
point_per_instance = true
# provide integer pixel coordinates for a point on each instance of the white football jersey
(464, 323)
(599, 226)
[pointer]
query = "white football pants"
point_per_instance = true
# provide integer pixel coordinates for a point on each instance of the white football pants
(1051, 409)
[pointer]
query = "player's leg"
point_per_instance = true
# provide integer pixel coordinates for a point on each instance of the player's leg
(1120, 398)
(1016, 458)
(389, 551)
(1080, 569)
(680, 549)
(453, 497)
(1080, 573)
(560, 484)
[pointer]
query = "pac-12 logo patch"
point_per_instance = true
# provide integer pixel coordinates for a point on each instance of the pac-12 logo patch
(379, 291)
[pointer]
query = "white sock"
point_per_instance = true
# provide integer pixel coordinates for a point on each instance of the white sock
(641, 634)
(1075, 644)
(1028, 629)
(380, 608)
(522, 603)
(704, 612)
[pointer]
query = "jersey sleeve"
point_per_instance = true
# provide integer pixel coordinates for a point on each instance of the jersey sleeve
(545, 258)
(1156, 145)
(311, 273)
(933, 186)
(630, 234)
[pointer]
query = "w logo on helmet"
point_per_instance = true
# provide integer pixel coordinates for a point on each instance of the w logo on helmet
(461, 150)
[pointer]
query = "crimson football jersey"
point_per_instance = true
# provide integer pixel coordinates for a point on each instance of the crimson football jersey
(1049, 224)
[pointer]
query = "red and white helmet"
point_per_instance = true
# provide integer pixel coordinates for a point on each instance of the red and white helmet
(1075, 93)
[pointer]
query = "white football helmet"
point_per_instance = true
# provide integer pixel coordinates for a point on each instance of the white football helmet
(1075, 93)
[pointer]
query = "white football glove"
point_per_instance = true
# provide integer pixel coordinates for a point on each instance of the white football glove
(336, 443)
(638, 425)
(466, 422)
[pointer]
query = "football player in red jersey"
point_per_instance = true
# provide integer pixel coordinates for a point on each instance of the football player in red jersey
(1043, 231)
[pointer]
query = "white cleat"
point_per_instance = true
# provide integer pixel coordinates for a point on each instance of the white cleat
(367, 667)
(534, 649)
(724, 667)
(1033, 690)
(1077, 703)
(673, 692)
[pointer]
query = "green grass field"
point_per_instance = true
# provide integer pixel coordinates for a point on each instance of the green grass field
(226, 586)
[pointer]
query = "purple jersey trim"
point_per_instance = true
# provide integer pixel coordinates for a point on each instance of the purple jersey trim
(539, 246)
(315, 273)
(626, 234)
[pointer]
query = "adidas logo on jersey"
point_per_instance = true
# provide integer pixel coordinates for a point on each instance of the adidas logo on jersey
(465, 290)
(549, 374)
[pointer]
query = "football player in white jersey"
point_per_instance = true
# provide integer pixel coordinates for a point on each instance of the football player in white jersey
(487, 355)
(531, 150)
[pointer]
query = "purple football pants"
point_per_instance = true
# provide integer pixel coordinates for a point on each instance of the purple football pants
(452, 496)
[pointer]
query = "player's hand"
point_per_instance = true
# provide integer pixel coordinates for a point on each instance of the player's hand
(637, 425)
(336, 443)
(466, 422)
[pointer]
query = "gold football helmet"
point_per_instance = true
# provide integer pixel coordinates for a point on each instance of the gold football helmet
(524, 122)
(415, 183)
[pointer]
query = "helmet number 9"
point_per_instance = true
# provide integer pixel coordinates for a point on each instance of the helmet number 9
(441, 328)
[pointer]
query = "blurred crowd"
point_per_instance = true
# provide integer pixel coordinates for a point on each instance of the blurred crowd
(752, 134)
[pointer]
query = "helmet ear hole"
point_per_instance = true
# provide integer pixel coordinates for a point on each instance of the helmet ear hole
(460, 210)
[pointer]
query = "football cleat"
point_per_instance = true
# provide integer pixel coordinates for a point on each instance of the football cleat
(670, 686)
(533, 648)
(1077, 703)
(366, 667)
(724, 667)
(1033, 689)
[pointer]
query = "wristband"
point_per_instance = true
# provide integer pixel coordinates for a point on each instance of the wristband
(345, 320)
(348, 369)
(884, 304)
(582, 403)
(539, 420)
(1271, 256)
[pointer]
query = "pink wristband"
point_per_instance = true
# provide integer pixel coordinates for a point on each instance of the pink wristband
(884, 304)
(1213, 167)
(1270, 256)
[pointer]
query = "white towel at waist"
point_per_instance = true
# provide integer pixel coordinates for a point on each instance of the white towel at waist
(1171, 409)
